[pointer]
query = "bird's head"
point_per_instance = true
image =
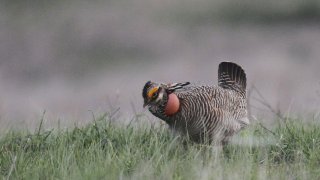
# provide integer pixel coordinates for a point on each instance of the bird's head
(154, 93)
(162, 95)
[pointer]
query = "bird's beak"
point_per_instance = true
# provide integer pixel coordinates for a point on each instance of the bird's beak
(145, 103)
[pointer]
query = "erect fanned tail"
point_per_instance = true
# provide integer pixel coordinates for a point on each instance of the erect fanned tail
(232, 76)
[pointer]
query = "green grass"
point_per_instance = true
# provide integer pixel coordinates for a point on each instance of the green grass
(105, 150)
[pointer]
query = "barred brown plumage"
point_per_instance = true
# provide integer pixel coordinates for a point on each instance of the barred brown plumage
(207, 114)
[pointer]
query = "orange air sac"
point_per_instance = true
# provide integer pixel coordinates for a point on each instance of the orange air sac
(172, 105)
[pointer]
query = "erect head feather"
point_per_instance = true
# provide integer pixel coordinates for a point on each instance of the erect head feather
(145, 89)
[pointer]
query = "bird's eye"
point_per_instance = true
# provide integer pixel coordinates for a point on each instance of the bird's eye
(155, 95)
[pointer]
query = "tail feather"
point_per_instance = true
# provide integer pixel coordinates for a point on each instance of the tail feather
(232, 76)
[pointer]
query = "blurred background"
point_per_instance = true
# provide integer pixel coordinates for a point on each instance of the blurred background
(75, 58)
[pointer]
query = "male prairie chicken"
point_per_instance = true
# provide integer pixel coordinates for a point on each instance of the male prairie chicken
(207, 114)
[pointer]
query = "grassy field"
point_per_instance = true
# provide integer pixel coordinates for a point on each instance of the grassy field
(106, 150)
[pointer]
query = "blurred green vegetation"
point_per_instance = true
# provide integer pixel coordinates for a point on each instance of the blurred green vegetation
(114, 38)
(248, 11)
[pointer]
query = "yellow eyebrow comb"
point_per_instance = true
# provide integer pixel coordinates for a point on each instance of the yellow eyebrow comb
(152, 91)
